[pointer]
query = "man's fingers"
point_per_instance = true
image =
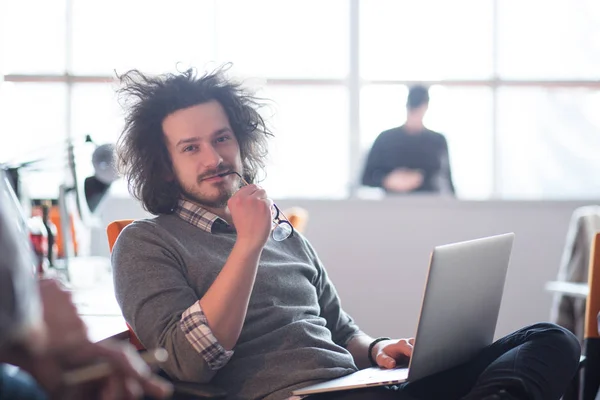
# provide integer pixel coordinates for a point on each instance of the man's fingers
(131, 376)
(122, 357)
(412, 341)
(385, 361)
(401, 348)
(157, 387)
(126, 359)
(269, 203)
(111, 390)
(249, 189)
(132, 389)
(391, 354)
(258, 193)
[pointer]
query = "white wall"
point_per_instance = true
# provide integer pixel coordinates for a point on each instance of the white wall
(377, 251)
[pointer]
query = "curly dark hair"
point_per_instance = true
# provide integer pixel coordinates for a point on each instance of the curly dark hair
(143, 157)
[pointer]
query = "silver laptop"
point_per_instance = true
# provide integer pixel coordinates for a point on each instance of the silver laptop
(458, 314)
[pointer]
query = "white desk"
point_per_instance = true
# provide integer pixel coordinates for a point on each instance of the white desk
(101, 327)
(92, 292)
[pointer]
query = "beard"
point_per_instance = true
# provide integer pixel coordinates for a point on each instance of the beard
(218, 200)
(223, 190)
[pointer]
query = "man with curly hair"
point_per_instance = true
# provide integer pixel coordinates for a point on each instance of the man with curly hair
(256, 316)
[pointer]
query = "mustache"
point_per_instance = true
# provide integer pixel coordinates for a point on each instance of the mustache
(214, 172)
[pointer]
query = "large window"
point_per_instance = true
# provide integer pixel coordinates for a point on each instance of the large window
(32, 125)
(426, 39)
(33, 36)
(284, 39)
(540, 39)
(118, 35)
(309, 154)
(549, 142)
(514, 85)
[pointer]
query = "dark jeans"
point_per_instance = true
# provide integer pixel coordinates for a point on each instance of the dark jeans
(536, 362)
(17, 385)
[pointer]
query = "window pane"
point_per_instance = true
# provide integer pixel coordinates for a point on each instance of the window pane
(462, 115)
(564, 36)
(309, 153)
(121, 35)
(284, 39)
(32, 36)
(381, 107)
(32, 126)
(432, 39)
(549, 141)
(96, 112)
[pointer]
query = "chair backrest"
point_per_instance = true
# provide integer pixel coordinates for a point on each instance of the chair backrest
(593, 299)
(114, 229)
(298, 217)
(112, 233)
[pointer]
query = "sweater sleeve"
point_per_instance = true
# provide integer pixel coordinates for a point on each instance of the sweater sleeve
(376, 167)
(342, 326)
(446, 166)
(160, 305)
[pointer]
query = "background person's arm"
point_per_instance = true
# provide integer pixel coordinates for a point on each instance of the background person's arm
(446, 166)
(377, 167)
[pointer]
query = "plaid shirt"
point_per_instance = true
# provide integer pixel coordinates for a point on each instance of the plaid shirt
(193, 322)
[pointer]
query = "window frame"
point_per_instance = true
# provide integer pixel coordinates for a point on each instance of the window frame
(354, 83)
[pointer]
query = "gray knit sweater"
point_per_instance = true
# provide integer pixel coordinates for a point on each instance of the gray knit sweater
(295, 331)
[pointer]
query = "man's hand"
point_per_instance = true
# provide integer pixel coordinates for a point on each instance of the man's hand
(66, 346)
(389, 353)
(403, 180)
(64, 328)
(251, 214)
(131, 377)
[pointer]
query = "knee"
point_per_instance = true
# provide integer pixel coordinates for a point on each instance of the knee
(562, 338)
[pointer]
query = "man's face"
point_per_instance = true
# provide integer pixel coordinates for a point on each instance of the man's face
(202, 144)
(420, 111)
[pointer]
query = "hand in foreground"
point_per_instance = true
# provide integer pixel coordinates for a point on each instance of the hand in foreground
(131, 377)
(389, 353)
(67, 346)
(64, 328)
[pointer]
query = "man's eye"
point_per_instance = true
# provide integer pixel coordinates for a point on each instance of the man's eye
(189, 148)
(222, 139)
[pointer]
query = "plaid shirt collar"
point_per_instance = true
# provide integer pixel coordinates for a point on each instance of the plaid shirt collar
(198, 216)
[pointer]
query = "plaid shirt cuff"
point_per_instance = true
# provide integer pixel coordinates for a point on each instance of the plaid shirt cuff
(194, 325)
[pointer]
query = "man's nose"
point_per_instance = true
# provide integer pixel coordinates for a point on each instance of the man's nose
(210, 157)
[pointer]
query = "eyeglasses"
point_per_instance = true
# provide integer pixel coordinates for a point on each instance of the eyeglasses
(281, 227)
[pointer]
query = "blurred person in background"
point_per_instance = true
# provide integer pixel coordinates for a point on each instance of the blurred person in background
(410, 158)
